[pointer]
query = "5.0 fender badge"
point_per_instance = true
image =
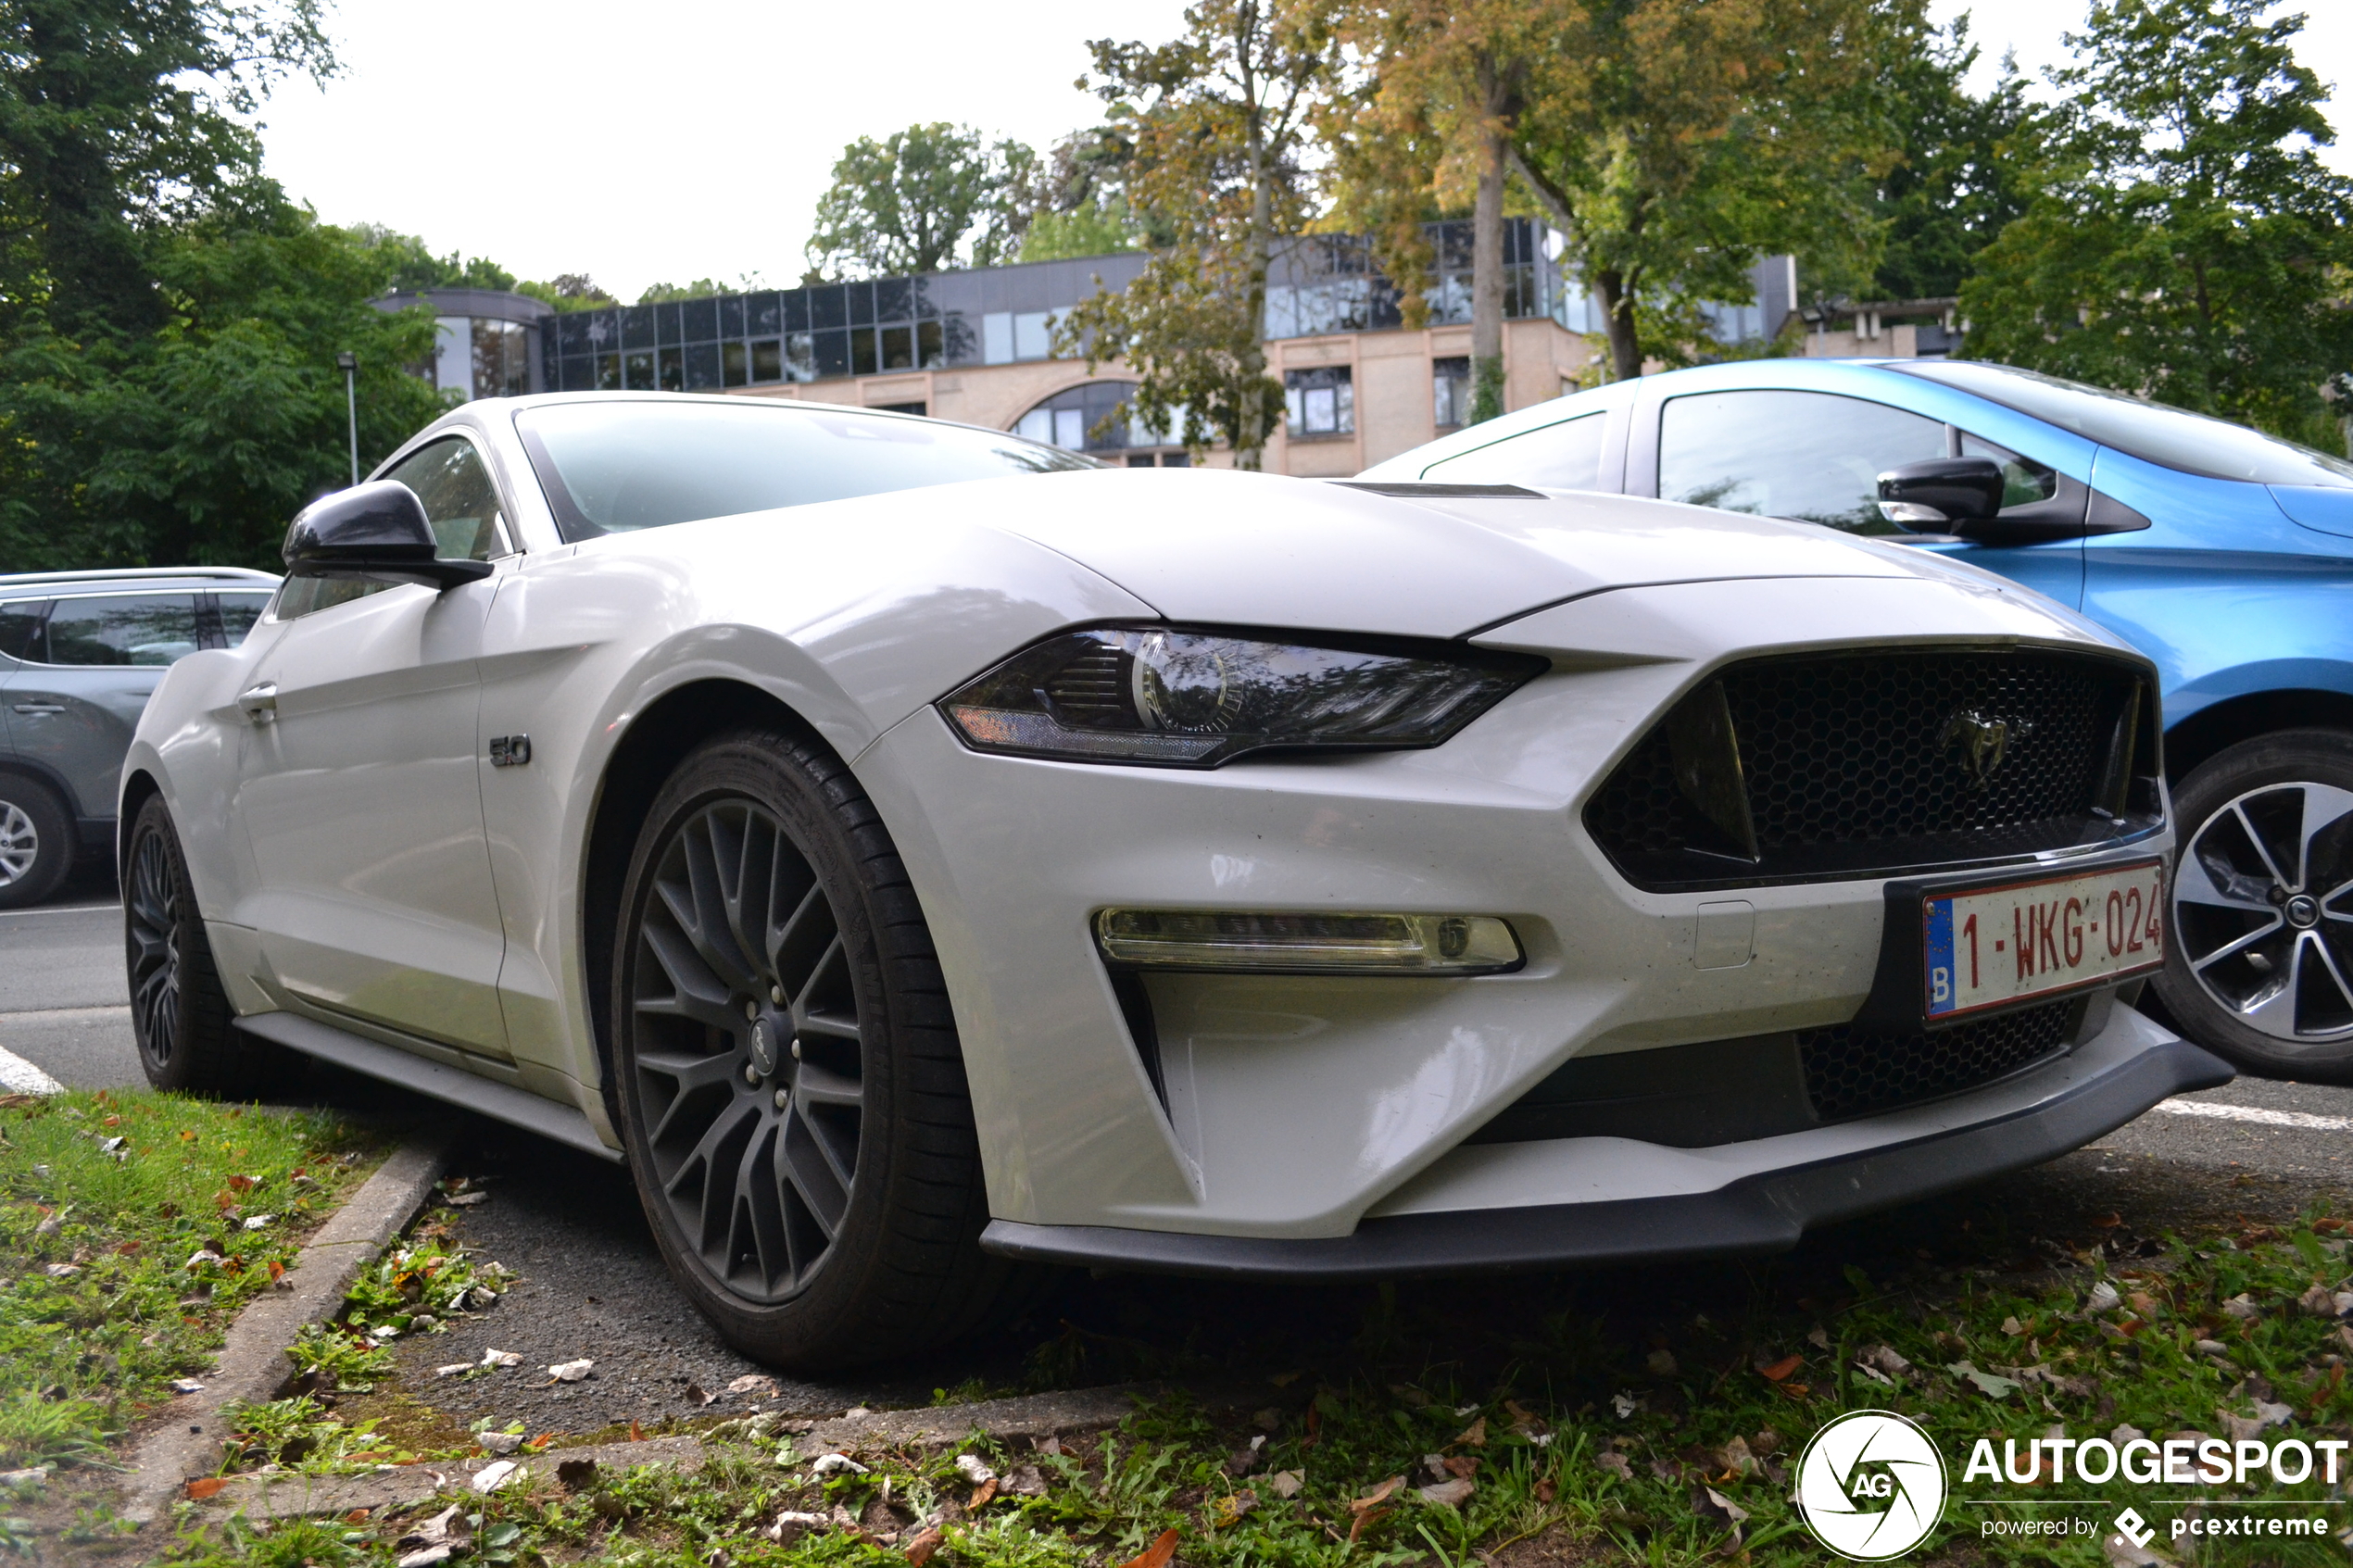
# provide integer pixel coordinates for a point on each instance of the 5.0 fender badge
(510, 751)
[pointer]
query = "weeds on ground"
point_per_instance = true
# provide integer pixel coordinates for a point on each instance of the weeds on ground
(132, 1226)
(1573, 1420)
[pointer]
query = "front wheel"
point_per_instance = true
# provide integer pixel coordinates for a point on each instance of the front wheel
(791, 1088)
(2261, 965)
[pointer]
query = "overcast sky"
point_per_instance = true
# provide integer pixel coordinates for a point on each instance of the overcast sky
(661, 144)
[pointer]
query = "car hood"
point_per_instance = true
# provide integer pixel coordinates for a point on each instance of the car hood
(1217, 547)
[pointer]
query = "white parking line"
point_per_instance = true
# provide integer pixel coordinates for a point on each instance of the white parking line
(55, 909)
(21, 1077)
(120, 1013)
(2257, 1114)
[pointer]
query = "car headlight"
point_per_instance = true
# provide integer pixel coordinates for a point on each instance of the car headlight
(1189, 698)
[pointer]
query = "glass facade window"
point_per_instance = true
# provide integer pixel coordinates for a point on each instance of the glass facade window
(733, 369)
(1093, 417)
(673, 371)
(767, 360)
(1450, 391)
(1320, 402)
(637, 372)
(898, 348)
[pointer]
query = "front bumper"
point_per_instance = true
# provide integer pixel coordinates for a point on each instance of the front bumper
(2104, 1083)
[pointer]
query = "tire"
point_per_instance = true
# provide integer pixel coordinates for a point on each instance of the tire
(2259, 967)
(180, 1016)
(37, 841)
(792, 1092)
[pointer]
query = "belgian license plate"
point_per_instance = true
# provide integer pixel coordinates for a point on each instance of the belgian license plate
(1991, 945)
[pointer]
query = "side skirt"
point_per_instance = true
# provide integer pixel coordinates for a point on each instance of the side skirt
(518, 1108)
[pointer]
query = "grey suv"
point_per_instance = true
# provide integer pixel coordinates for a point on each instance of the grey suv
(79, 653)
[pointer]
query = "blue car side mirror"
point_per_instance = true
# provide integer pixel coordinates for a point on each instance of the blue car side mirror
(378, 530)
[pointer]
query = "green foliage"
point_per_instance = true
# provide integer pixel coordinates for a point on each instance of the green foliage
(1098, 228)
(1214, 135)
(569, 291)
(426, 1276)
(414, 266)
(1958, 184)
(134, 1257)
(341, 1358)
(922, 199)
(2191, 246)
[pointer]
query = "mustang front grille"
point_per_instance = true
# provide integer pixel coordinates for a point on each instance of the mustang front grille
(1849, 1073)
(1813, 767)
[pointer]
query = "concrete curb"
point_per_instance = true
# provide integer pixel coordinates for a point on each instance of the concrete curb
(251, 1365)
(1033, 1416)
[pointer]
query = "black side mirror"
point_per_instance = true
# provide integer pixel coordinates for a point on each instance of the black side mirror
(1940, 490)
(378, 530)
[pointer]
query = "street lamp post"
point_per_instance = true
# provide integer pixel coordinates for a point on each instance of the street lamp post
(348, 363)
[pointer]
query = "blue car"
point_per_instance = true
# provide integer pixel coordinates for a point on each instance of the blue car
(2224, 554)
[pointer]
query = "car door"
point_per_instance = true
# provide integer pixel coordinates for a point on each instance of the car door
(356, 785)
(86, 676)
(1816, 457)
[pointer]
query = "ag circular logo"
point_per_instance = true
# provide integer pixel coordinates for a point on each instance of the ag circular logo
(1870, 1486)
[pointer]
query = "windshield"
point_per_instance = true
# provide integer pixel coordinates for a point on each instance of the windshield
(2171, 437)
(612, 466)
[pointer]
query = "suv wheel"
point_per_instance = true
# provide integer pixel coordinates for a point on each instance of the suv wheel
(2260, 965)
(791, 1087)
(36, 841)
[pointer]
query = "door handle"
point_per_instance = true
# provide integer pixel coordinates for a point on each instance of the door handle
(260, 703)
(41, 707)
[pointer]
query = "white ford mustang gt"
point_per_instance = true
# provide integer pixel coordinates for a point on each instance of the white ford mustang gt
(916, 853)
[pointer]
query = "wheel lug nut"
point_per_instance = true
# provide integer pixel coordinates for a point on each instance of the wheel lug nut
(776, 994)
(752, 1009)
(796, 1050)
(751, 1074)
(780, 1098)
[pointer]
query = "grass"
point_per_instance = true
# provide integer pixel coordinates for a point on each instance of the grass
(1643, 1417)
(132, 1226)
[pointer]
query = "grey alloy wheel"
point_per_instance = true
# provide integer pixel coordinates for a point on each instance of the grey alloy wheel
(2263, 910)
(749, 1060)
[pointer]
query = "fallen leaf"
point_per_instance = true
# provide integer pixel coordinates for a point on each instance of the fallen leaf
(1232, 1507)
(974, 1469)
(1778, 1372)
(1462, 1466)
(1616, 1463)
(1451, 1494)
(1818, 1336)
(695, 1393)
(502, 1358)
(1547, 1490)
(983, 1495)
(1365, 1520)
(792, 1523)
(1287, 1483)
(1709, 1503)
(1026, 1482)
(1987, 1382)
(1661, 1363)
(1155, 1555)
(918, 1551)
(1475, 1435)
(208, 1486)
(1377, 1496)
(567, 1372)
(753, 1382)
(2102, 1297)
(496, 1474)
(2110, 1221)
(2242, 1307)
(832, 1464)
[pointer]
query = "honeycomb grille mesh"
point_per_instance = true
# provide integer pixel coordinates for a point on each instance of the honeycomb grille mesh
(1850, 1074)
(1859, 750)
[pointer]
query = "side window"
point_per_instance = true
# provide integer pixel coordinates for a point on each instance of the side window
(448, 477)
(2024, 481)
(1810, 456)
(1564, 457)
(237, 613)
(120, 629)
(20, 624)
(461, 502)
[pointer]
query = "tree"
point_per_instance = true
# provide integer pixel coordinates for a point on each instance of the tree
(1449, 80)
(118, 119)
(568, 291)
(1959, 182)
(415, 267)
(1673, 144)
(909, 203)
(2190, 247)
(1216, 127)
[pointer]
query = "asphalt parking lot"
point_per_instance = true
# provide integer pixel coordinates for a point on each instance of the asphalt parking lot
(593, 1284)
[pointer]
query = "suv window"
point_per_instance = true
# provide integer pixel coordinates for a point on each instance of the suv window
(238, 612)
(119, 629)
(19, 623)
(1812, 456)
(1566, 456)
(461, 502)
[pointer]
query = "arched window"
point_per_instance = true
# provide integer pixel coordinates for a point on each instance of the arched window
(1088, 418)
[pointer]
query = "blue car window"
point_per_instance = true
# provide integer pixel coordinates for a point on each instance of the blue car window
(1566, 456)
(1811, 457)
(2172, 438)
